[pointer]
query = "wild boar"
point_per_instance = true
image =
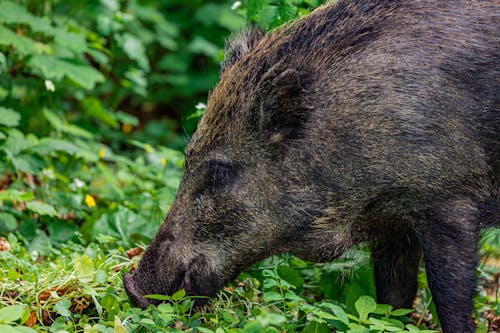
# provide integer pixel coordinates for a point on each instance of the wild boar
(366, 121)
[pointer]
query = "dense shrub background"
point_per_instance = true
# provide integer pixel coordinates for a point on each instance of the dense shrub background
(97, 100)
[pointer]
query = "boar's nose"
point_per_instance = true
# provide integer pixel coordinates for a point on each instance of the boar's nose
(134, 292)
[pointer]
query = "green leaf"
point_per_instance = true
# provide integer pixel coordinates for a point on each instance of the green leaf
(255, 6)
(384, 309)
(84, 268)
(41, 208)
(315, 327)
(61, 232)
(272, 296)
(180, 294)
(290, 275)
(15, 195)
(134, 49)
(202, 46)
(49, 145)
(401, 312)
(62, 308)
(93, 107)
(9, 117)
(18, 142)
(22, 44)
(56, 69)
(11, 313)
(8, 220)
(62, 126)
(28, 163)
(73, 41)
(22, 329)
(385, 325)
(337, 311)
(365, 305)
(14, 13)
(7, 329)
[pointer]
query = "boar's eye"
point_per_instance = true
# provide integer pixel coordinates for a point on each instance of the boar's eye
(220, 173)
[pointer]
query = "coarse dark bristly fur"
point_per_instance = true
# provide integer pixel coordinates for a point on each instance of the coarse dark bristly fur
(366, 121)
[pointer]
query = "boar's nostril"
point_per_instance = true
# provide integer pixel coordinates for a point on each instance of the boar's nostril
(134, 292)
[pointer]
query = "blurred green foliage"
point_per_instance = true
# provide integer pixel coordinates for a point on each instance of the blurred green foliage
(79, 82)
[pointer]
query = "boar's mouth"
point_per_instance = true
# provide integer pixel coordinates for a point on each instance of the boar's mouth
(196, 280)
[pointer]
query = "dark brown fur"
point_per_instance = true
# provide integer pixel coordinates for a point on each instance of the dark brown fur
(367, 121)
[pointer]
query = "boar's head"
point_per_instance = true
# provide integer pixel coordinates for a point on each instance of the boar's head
(253, 184)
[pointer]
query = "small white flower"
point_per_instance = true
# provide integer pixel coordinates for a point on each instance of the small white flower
(236, 5)
(201, 106)
(79, 183)
(49, 85)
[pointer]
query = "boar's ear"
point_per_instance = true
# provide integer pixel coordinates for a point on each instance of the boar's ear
(282, 111)
(240, 44)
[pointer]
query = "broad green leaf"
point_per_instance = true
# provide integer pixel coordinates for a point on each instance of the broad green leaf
(356, 328)
(147, 321)
(28, 163)
(17, 142)
(8, 220)
(134, 49)
(41, 208)
(93, 107)
(15, 195)
(337, 311)
(272, 296)
(365, 305)
(385, 325)
(178, 295)
(9, 117)
(61, 232)
(22, 44)
(64, 127)
(12, 12)
(21, 329)
(56, 69)
(166, 308)
(252, 327)
(62, 307)
(315, 327)
(255, 6)
(11, 313)
(384, 309)
(73, 41)
(291, 275)
(7, 329)
(49, 145)
(202, 46)
(401, 312)
(127, 118)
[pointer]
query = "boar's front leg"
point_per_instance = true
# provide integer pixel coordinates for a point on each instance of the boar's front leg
(449, 239)
(396, 260)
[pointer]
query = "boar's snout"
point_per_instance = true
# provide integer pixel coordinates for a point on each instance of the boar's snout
(135, 293)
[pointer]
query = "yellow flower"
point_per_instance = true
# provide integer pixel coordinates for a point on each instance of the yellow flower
(102, 153)
(164, 161)
(127, 128)
(90, 200)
